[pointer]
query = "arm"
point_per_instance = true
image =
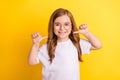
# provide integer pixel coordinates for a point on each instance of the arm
(36, 38)
(95, 43)
(33, 54)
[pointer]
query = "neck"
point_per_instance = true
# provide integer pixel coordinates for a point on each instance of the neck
(62, 40)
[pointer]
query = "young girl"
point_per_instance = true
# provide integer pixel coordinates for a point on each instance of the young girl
(61, 54)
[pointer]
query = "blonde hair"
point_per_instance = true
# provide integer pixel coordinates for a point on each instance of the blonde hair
(52, 38)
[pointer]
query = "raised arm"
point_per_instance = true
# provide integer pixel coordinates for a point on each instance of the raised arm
(36, 38)
(95, 42)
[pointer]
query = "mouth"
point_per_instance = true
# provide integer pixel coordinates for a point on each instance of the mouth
(62, 32)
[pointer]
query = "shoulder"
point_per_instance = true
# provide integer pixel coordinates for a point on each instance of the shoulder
(85, 46)
(43, 48)
(84, 42)
(44, 45)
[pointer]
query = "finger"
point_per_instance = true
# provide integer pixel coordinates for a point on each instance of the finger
(76, 32)
(44, 37)
(33, 36)
(38, 35)
(83, 26)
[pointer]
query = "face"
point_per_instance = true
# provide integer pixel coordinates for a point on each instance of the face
(62, 27)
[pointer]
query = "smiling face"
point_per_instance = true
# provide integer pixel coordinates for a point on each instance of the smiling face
(62, 27)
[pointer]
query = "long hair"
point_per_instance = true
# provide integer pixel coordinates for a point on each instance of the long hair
(52, 38)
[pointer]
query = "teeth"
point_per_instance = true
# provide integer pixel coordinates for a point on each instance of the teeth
(62, 32)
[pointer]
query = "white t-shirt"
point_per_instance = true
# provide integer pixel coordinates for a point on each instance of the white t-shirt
(65, 65)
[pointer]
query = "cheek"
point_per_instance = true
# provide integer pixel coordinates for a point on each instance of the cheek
(69, 29)
(55, 29)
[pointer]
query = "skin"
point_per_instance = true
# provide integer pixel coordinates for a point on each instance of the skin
(62, 28)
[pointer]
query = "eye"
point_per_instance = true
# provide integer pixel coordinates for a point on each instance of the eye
(67, 24)
(57, 24)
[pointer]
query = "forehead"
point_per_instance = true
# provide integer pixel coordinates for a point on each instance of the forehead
(63, 18)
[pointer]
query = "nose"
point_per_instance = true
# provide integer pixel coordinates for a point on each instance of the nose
(61, 27)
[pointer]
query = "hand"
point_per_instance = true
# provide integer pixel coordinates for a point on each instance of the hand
(37, 38)
(83, 29)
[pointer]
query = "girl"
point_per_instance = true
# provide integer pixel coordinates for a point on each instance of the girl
(61, 54)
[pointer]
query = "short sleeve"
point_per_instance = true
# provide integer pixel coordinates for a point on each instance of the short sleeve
(42, 54)
(38, 56)
(85, 46)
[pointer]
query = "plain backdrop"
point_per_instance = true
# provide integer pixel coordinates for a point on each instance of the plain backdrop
(21, 18)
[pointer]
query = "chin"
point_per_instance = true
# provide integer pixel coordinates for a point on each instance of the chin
(63, 38)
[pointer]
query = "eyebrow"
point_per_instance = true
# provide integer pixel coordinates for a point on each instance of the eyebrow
(64, 22)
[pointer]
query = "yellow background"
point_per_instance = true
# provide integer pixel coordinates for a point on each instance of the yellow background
(20, 18)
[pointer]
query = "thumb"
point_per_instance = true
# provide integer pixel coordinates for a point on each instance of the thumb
(76, 32)
(44, 37)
